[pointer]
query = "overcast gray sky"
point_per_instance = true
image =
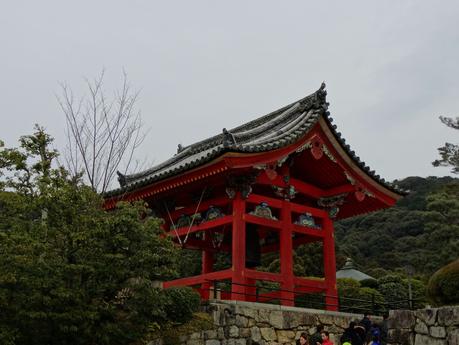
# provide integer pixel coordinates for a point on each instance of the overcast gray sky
(391, 68)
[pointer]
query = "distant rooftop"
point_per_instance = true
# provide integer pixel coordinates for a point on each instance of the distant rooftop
(349, 271)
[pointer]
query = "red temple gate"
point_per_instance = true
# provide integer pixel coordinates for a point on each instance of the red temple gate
(270, 185)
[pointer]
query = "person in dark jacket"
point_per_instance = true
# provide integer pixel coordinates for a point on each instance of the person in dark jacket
(366, 322)
(351, 334)
(317, 337)
(361, 332)
(384, 329)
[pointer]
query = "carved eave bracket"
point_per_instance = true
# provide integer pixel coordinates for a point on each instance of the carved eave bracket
(240, 183)
(318, 148)
(287, 193)
(360, 191)
(332, 203)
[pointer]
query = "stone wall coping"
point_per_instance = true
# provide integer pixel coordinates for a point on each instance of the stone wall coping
(257, 305)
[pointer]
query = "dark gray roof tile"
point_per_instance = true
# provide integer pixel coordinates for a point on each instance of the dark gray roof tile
(274, 130)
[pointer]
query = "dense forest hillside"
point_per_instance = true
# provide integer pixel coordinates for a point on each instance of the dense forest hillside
(421, 231)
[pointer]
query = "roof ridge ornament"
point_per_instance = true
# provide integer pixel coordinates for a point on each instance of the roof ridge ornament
(228, 138)
(317, 101)
(121, 178)
(321, 97)
(179, 148)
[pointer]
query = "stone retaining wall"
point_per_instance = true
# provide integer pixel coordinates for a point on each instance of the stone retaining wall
(436, 326)
(245, 323)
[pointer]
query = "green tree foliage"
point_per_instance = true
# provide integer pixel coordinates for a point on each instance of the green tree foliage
(70, 272)
(395, 290)
(449, 153)
(421, 230)
(358, 299)
(443, 287)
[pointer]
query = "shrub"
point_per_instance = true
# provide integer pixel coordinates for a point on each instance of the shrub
(181, 304)
(375, 300)
(358, 299)
(370, 283)
(443, 286)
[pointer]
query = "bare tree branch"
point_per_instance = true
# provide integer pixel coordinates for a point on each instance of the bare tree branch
(102, 134)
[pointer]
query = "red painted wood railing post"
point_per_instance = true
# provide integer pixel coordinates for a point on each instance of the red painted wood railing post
(286, 256)
(331, 293)
(238, 287)
(207, 267)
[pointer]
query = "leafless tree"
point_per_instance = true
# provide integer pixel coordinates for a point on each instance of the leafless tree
(103, 133)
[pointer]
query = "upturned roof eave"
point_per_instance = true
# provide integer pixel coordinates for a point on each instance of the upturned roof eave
(204, 152)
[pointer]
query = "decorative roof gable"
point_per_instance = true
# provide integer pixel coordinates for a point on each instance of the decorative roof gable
(270, 132)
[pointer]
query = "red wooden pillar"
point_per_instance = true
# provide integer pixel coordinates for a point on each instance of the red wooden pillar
(331, 293)
(207, 267)
(238, 287)
(286, 256)
(251, 290)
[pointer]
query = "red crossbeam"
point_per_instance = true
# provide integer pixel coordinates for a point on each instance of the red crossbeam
(310, 283)
(257, 275)
(201, 227)
(203, 278)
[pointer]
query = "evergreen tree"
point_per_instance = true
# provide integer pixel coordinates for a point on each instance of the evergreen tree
(449, 153)
(70, 272)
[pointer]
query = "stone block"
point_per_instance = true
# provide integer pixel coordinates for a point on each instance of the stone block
(448, 316)
(157, 341)
(263, 316)
(326, 319)
(218, 317)
(246, 311)
(428, 316)
(196, 335)
(255, 334)
(453, 336)
(210, 334)
(244, 332)
(273, 343)
(213, 342)
(240, 341)
(292, 319)
(437, 331)
(400, 336)
(309, 320)
(285, 336)
(230, 320)
(276, 319)
(342, 321)
(334, 329)
(421, 339)
(233, 332)
(268, 334)
(401, 319)
(421, 327)
(241, 321)
(195, 342)
(221, 333)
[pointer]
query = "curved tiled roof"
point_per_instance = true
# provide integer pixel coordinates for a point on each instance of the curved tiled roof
(349, 271)
(272, 131)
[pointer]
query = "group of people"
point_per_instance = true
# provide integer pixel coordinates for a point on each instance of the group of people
(363, 332)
